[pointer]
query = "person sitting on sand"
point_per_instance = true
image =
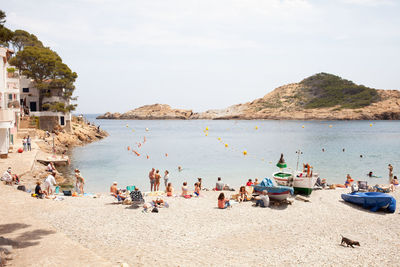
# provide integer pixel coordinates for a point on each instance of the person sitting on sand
(263, 202)
(157, 178)
(196, 190)
(7, 177)
(219, 185)
(249, 182)
(185, 190)
(137, 196)
(169, 190)
(116, 193)
(242, 194)
(394, 184)
(38, 190)
(223, 202)
(49, 183)
(199, 180)
(348, 181)
(256, 182)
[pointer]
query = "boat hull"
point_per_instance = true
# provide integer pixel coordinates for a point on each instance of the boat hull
(276, 193)
(301, 185)
(372, 201)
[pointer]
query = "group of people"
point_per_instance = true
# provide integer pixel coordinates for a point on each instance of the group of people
(155, 179)
(27, 143)
(48, 186)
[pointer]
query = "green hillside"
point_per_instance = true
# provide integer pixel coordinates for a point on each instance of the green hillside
(327, 90)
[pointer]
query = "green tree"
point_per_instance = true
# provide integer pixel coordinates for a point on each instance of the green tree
(47, 70)
(5, 33)
(23, 38)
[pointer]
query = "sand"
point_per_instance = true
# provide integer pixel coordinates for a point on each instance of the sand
(194, 232)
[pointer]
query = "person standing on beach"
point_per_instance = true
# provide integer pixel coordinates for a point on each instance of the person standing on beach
(80, 181)
(390, 173)
(219, 186)
(152, 179)
(24, 143)
(166, 178)
(157, 178)
(28, 143)
(49, 183)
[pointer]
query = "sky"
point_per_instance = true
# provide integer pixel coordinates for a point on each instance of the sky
(210, 54)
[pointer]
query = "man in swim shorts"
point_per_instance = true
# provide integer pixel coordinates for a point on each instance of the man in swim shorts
(152, 179)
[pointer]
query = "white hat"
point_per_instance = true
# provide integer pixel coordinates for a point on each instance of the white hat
(115, 182)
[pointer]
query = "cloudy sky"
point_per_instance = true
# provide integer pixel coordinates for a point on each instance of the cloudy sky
(203, 54)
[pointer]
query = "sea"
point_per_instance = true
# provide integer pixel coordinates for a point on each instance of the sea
(235, 150)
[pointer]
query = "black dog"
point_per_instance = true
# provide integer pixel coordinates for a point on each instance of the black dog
(349, 242)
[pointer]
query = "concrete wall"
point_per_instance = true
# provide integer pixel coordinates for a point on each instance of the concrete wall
(48, 123)
(4, 141)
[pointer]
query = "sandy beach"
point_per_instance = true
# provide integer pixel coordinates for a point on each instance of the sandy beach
(194, 232)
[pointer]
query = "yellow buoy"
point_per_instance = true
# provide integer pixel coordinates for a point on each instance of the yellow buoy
(127, 126)
(302, 126)
(206, 134)
(226, 145)
(133, 130)
(256, 127)
(245, 152)
(147, 129)
(219, 139)
(206, 128)
(370, 125)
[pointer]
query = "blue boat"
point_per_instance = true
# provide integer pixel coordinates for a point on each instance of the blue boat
(372, 200)
(274, 191)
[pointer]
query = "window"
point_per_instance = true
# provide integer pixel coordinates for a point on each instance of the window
(10, 96)
(62, 121)
(25, 90)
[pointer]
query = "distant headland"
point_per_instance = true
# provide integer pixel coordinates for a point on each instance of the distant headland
(322, 96)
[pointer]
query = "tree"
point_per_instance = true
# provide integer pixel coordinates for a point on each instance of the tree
(23, 38)
(47, 70)
(5, 33)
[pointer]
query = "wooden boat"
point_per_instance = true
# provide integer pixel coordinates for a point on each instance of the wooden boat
(373, 201)
(275, 191)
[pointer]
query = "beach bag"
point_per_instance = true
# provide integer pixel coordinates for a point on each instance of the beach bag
(21, 187)
(67, 193)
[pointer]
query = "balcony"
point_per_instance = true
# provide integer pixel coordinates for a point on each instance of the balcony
(6, 115)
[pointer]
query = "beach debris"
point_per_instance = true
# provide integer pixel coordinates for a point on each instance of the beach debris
(349, 242)
(302, 198)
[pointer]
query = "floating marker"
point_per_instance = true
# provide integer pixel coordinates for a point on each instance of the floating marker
(127, 126)
(206, 134)
(129, 148)
(219, 139)
(166, 154)
(245, 152)
(370, 125)
(226, 145)
(206, 128)
(147, 129)
(147, 156)
(302, 126)
(256, 127)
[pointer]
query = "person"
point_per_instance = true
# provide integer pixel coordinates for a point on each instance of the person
(196, 190)
(263, 202)
(157, 178)
(223, 202)
(394, 184)
(348, 181)
(152, 179)
(242, 194)
(7, 177)
(80, 181)
(179, 168)
(38, 190)
(166, 178)
(115, 192)
(370, 174)
(256, 182)
(49, 183)
(249, 182)
(29, 143)
(390, 167)
(24, 143)
(219, 185)
(185, 190)
(51, 167)
(320, 183)
(199, 180)
(137, 196)
(170, 190)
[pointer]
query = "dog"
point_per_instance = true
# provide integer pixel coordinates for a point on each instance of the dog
(349, 242)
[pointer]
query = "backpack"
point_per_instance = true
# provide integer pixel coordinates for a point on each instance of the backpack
(155, 210)
(21, 187)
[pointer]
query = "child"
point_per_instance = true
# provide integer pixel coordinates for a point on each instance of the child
(197, 189)
(242, 194)
(223, 203)
(38, 190)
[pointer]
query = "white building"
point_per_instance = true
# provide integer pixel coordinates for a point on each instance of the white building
(30, 104)
(9, 102)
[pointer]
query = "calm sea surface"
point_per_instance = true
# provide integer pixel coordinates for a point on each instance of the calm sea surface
(170, 144)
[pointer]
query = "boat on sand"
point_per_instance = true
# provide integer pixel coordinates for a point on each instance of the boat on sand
(373, 201)
(275, 191)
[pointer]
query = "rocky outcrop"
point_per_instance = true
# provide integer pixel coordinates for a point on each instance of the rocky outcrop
(293, 102)
(151, 112)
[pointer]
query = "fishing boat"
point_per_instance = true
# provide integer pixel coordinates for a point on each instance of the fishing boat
(304, 181)
(373, 201)
(275, 191)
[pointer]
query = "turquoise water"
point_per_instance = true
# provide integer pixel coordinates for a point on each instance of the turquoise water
(187, 145)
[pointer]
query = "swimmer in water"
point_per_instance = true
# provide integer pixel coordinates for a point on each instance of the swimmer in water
(370, 174)
(179, 168)
(323, 150)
